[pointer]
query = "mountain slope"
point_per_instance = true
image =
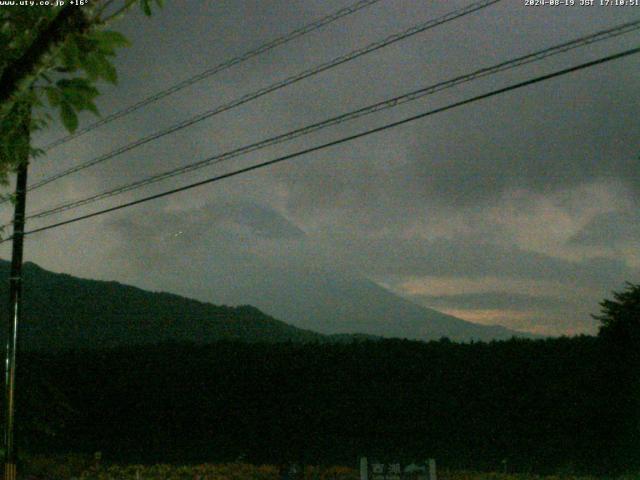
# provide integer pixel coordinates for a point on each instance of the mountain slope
(68, 312)
(333, 302)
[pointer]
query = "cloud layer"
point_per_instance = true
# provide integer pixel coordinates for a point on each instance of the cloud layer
(514, 210)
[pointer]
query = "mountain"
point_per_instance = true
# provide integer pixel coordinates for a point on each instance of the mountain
(68, 312)
(333, 302)
(63, 311)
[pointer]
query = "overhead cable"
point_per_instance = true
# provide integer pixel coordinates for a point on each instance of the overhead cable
(272, 88)
(264, 48)
(370, 109)
(339, 141)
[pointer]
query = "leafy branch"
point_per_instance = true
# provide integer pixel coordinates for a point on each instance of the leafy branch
(54, 57)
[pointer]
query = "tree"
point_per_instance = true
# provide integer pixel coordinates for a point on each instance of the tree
(50, 55)
(620, 357)
(54, 56)
(620, 317)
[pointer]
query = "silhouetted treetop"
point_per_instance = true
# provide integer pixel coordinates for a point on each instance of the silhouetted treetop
(620, 317)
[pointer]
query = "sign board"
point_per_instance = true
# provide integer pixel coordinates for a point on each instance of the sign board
(385, 471)
(291, 471)
(375, 470)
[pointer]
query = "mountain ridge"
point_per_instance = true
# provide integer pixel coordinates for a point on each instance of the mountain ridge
(66, 312)
(82, 313)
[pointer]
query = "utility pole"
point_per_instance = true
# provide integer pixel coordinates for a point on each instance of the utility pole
(15, 295)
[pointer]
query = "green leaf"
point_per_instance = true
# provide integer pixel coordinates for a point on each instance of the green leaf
(37, 152)
(146, 7)
(69, 117)
(110, 39)
(74, 98)
(77, 83)
(53, 95)
(98, 66)
(109, 72)
(77, 93)
(91, 65)
(70, 54)
(92, 108)
(86, 43)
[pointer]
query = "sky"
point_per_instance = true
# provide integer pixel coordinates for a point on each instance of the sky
(519, 210)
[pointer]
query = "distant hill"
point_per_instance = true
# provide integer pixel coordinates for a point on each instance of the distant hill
(331, 301)
(63, 311)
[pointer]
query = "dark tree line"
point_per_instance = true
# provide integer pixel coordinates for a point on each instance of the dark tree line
(543, 405)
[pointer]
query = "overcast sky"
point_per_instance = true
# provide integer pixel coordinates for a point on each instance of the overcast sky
(519, 210)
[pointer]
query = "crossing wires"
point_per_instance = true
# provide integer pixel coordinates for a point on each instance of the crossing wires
(352, 115)
(416, 29)
(342, 140)
(306, 29)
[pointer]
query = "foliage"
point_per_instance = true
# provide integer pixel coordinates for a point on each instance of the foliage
(14, 133)
(49, 467)
(277, 394)
(60, 63)
(61, 311)
(463, 475)
(620, 317)
(620, 337)
(234, 471)
(80, 468)
(542, 404)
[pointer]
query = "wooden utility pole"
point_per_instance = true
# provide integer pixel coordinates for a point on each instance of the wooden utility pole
(15, 296)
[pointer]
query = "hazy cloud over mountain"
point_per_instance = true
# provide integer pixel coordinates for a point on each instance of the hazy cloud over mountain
(611, 228)
(514, 210)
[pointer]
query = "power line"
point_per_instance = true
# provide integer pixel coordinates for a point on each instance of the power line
(311, 27)
(370, 109)
(273, 87)
(340, 141)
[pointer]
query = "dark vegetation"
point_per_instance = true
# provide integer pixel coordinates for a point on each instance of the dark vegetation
(545, 405)
(63, 312)
(256, 387)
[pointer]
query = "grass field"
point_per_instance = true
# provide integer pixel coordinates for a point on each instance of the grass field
(46, 469)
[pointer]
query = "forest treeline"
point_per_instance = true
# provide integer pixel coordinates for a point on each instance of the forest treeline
(567, 404)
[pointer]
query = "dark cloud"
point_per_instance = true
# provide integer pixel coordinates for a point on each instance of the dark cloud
(529, 143)
(609, 229)
(494, 300)
(433, 198)
(472, 258)
(263, 221)
(223, 223)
